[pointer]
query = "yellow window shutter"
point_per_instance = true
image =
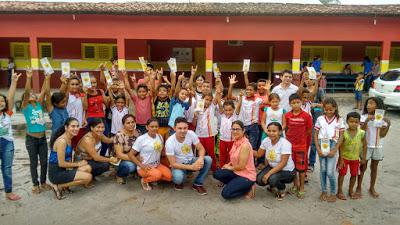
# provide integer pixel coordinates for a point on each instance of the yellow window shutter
(103, 52)
(305, 54)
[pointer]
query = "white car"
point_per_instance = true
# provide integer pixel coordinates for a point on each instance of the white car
(387, 88)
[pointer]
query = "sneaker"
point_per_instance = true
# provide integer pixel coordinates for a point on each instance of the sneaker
(178, 187)
(200, 189)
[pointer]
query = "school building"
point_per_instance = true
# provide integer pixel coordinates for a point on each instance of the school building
(274, 36)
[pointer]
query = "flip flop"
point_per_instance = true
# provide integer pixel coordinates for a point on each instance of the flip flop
(13, 197)
(341, 196)
(293, 190)
(353, 196)
(358, 195)
(331, 198)
(300, 195)
(280, 196)
(35, 190)
(145, 186)
(252, 193)
(323, 196)
(373, 194)
(220, 185)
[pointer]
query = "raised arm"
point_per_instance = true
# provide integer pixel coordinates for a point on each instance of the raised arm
(301, 85)
(179, 84)
(28, 87)
(103, 81)
(239, 105)
(127, 84)
(315, 90)
(192, 75)
(46, 85)
(232, 82)
(11, 91)
(173, 83)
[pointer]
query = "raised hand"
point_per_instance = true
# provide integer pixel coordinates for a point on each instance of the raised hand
(232, 79)
(133, 78)
(29, 72)
(241, 93)
(181, 77)
(193, 70)
(267, 85)
(16, 76)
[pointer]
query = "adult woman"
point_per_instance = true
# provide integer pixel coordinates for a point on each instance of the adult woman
(6, 138)
(90, 145)
(72, 89)
(239, 175)
(64, 173)
(123, 142)
(280, 167)
(149, 146)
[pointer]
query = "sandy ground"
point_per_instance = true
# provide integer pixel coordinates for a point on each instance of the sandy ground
(109, 202)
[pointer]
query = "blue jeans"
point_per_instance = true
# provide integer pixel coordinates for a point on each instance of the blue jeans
(179, 176)
(313, 150)
(235, 185)
(125, 168)
(327, 170)
(104, 146)
(252, 132)
(6, 157)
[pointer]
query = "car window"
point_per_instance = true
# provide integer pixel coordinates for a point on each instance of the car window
(391, 76)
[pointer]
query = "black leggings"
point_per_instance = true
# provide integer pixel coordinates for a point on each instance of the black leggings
(37, 147)
(277, 180)
(98, 168)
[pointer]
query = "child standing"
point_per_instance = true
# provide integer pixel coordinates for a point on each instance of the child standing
(328, 128)
(35, 141)
(375, 137)
(6, 138)
(273, 113)
(178, 104)
(228, 115)
(358, 90)
(354, 143)
(299, 125)
(119, 109)
(206, 126)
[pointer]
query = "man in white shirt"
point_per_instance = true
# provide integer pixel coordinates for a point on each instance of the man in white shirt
(182, 159)
(285, 89)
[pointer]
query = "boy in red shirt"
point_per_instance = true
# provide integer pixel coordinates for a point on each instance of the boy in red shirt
(299, 127)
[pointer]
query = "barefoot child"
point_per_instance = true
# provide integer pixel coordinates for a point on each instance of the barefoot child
(328, 128)
(299, 125)
(354, 143)
(375, 136)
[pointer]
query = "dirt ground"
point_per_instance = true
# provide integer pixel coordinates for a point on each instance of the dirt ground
(110, 203)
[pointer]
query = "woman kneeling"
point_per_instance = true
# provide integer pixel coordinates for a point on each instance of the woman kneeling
(239, 174)
(279, 168)
(64, 173)
(149, 146)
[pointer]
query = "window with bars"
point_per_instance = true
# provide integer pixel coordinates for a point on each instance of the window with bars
(395, 54)
(45, 50)
(19, 50)
(327, 53)
(373, 51)
(92, 51)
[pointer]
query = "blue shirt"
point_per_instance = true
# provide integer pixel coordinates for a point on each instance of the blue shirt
(367, 66)
(317, 65)
(34, 118)
(68, 155)
(58, 117)
(177, 109)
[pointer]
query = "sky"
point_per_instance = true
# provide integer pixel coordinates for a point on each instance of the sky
(344, 2)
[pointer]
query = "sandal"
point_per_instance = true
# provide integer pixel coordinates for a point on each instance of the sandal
(67, 190)
(252, 193)
(57, 193)
(353, 196)
(331, 198)
(89, 185)
(280, 196)
(301, 194)
(35, 189)
(45, 187)
(341, 196)
(358, 195)
(373, 193)
(293, 190)
(121, 180)
(145, 186)
(323, 197)
(13, 197)
(220, 185)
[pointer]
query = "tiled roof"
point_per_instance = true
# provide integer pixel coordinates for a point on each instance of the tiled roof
(198, 9)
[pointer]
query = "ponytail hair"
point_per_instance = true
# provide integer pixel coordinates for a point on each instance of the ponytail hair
(60, 131)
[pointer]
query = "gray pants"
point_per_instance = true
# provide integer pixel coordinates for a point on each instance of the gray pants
(37, 147)
(277, 180)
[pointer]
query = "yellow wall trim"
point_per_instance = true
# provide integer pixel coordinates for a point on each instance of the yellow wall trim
(296, 65)
(121, 64)
(384, 66)
(34, 64)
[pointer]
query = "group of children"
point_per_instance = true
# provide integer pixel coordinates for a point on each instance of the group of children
(162, 99)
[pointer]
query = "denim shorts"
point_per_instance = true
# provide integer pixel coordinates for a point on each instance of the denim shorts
(358, 96)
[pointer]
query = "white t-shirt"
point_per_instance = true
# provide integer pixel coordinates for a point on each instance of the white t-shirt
(284, 95)
(189, 114)
(225, 130)
(182, 151)
(75, 108)
(329, 128)
(149, 149)
(307, 107)
(274, 115)
(273, 153)
(116, 121)
(206, 125)
(250, 110)
(373, 141)
(5, 127)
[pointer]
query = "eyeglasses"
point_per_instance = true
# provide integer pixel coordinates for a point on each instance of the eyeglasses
(237, 129)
